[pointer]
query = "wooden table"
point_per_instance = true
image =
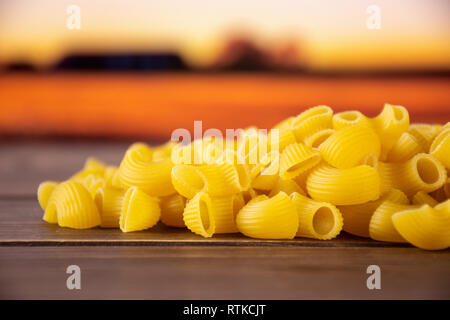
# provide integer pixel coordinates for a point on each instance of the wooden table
(169, 263)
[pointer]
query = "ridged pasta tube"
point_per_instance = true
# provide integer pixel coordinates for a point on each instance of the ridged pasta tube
(423, 172)
(224, 211)
(317, 220)
(357, 217)
(109, 201)
(172, 208)
(296, 159)
(310, 121)
(139, 170)
(381, 227)
(406, 147)
(316, 139)
(347, 147)
(198, 216)
(389, 125)
(268, 218)
(350, 118)
(440, 148)
(72, 206)
(44, 192)
(344, 186)
(425, 227)
(139, 211)
(285, 133)
(421, 198)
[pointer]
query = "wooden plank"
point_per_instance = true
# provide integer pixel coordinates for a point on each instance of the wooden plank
(22, 225)
(222, 273)
(25, 164)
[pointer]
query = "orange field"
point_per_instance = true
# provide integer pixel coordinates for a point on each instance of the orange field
(152, 106)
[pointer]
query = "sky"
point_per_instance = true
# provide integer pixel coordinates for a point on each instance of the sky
(333, 34)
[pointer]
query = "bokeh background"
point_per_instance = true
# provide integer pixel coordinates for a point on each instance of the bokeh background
(140, 69)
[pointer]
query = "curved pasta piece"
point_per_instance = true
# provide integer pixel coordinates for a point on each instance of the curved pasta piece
(287, 186)
(406, 147)
(163, 151)
(296, 159)
(421, 198)
(424, 227)
(344, 186)
(172, 208)
(112, 177)
(443, 193)
(347, 147)
(224, 211)
(389, 125)
(265, 174)
(316, 139)
(381, 227)
(268, 218)
(317, 220)
(109, 201)
(357, 217)
(285, 134)
(44, 192)
(249, 195)
(72, 206)
(137, 169)
(440, 148)
(424, 133)
(310, 121)
(92, 183)
(139, 211)
(242, 168)
(423, 172)
(198, 215)
(350, 118)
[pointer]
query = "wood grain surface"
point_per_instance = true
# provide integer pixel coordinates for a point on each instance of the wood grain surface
(171, 263)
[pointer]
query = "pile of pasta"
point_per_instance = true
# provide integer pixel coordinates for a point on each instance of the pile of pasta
(381, 178)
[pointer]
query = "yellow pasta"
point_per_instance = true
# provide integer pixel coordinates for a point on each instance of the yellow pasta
(421, 198)
(249, 194)
(421, 173)
(172, 208)
(316, 139)
(390, 124)
(357, 217)
(72, 206)
(139, 211)
(348, 147)
(163, 151)
(268, 218)
(112, 177)
(344, 186)
(424, 133)
(296, 159)
(265, 174)
(285, 133)
(406, 147)
(317, 220)
(109, 201)
(198, 215)
(310, 121)
(44, 192)
(139, 170)
(381, 227)
(440, 148)
(350, 118)
(424, 227)
(224, 211)
(287, 186)
(92, 166)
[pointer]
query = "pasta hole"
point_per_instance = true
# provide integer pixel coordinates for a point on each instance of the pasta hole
(323, 220)
(320, 139)
(204, 214)
(427, 171)
(398, 113)
(351, 116)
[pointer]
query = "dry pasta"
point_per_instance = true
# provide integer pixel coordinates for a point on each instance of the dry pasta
(425, 227)
(317, 220)
(268, 218)
(72, 206)
(139, 211)
(311, 175)
(348, 147)
(296, 159)
(357, 217)
(344, 186)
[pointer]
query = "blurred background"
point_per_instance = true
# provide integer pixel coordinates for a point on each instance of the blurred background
(140, 69)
